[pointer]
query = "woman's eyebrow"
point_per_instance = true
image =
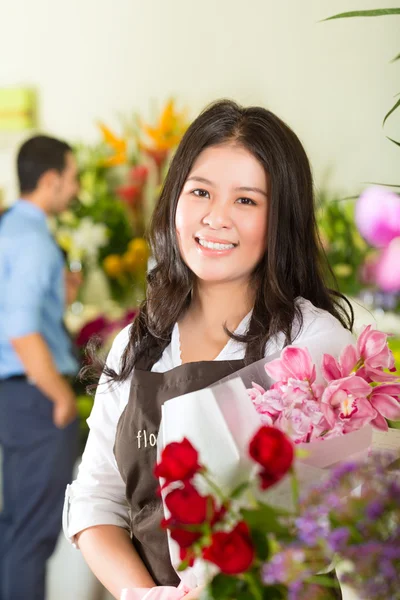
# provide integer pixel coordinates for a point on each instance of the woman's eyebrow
(245, 188)
(200, 179)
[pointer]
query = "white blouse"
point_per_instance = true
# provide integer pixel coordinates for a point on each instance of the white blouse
(97, 496)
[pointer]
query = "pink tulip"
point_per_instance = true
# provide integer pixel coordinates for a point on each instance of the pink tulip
(346, 400)
(378, 216)
(388, 267)
(295, 363)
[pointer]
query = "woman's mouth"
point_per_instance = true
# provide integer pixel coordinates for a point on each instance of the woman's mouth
(214, 247)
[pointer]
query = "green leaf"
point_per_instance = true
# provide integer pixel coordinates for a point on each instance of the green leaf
(224, 586)
(274, 592)
(382, 12)
(391, 111)
(261, 544)
(393, 185)
(394, 141)
(323, 580)
(266, 518)
(239, 490)
(395, 58)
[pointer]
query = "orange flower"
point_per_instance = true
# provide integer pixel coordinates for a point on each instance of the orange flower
(170, 129)
(119, 146)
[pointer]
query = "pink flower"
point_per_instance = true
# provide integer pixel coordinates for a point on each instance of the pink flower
(385, 400)
(256, 392)
(296, 424)
(294, 363)
(372, 347)
(378, 216)
(333, 369)
(387, 271)
(346, 400)
(257, 395)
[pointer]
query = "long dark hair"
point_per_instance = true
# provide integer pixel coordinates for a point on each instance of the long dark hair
(293, 264)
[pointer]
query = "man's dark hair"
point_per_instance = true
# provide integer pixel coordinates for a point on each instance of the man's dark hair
(38, 155)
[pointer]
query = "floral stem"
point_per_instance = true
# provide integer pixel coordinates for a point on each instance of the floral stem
(295, 487)
(254, 588)
(214, 487)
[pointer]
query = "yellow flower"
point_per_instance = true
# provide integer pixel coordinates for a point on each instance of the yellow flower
(119, 145)
(64, 240)
(343, 270)
(170, 129)
(139, 248)
(113, 265)
(129, 261)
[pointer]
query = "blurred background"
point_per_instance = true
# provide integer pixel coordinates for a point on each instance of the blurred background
(121, 82)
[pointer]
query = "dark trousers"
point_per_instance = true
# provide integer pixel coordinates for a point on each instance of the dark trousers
(37, 464)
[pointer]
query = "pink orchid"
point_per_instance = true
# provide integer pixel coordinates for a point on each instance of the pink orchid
(346, 400)
(386, 401)
(294, 363)
(336, 369)
(372, 347)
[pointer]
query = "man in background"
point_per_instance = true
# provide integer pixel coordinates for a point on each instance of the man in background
(38, 425)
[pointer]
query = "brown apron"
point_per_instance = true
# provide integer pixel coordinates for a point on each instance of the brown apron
(135, 451)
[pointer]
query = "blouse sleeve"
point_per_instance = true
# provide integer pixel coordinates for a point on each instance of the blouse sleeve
(97, 496)
(322, 334)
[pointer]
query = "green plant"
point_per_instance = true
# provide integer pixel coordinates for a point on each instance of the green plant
(345, 249)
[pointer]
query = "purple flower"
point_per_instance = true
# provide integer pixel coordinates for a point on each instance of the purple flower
(337, 540)
(311, 530)
(375, 509)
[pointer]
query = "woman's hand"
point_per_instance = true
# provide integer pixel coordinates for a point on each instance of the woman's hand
(195, 594)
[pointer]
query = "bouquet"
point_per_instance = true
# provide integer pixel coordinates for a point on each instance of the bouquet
(358, 390)
(235, 518)
(254, 550)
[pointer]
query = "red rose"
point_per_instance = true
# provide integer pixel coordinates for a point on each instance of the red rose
(183, 537)
(179, 461)
(188, 507)
(186, 554)
(273, 450)
(233, 551)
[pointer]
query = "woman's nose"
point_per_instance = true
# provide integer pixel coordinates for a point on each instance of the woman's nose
(218, 215)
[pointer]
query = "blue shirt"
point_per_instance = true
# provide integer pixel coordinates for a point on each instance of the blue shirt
(32, 288)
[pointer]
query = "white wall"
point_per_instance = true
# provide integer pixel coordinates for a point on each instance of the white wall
(331, 81)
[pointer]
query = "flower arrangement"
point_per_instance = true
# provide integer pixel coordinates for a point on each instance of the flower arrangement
(300, 500)
(120, 178)
(255, 550)
(358, 390)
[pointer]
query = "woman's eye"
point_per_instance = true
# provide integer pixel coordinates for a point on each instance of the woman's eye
(248, 201)
(201, 193)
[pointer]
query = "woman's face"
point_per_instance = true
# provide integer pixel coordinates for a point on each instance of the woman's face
(221, 216)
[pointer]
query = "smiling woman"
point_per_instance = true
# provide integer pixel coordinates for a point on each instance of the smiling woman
(237, 277)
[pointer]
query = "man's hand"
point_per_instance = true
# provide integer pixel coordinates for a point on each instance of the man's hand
(73, 281)
(64, 412)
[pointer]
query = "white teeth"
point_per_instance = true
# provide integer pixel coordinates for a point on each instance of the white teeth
(214, 246)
